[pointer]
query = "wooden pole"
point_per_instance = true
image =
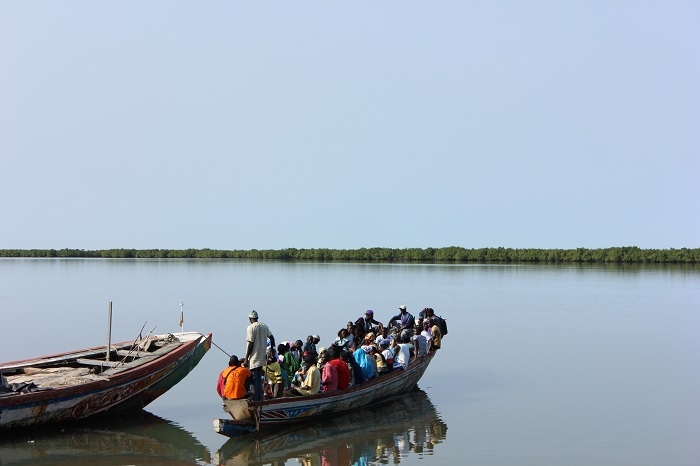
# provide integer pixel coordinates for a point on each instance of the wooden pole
(109, 330)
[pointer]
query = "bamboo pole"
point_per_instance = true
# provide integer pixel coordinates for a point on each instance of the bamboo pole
(109, 330)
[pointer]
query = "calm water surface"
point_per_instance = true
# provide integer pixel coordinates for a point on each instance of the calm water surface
(542, 365)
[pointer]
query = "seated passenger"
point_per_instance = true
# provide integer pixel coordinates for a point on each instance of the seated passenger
(364, 362)
(351, 334)
(376, 359)
(382, 335)
(232, 389)
(273, 371)
(289, 365)
(357, 374)
(420, 344)
(342, 340)
(341, 367)
(405, 322)
(382, 367)
(436, 335)
(311, 384)
(345, 357)
(368, 322)
(310, 345)
(297, 351)
(402, 353)
(387, 353)
(329, 374)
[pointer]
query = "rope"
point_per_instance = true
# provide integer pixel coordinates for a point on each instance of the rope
(222, 350)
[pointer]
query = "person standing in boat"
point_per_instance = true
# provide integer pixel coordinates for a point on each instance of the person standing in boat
(257, 334)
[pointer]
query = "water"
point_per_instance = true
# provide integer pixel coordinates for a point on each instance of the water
(542, 364)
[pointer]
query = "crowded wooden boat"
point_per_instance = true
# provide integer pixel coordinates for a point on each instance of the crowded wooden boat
(367, 364)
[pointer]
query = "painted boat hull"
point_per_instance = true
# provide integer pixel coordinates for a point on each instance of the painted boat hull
(284, 411)
(129, 388)
(363, 435)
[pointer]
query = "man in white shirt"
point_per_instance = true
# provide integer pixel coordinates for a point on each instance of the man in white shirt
(402, 353)
(257, 334)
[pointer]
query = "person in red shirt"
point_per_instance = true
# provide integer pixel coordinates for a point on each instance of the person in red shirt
(340, 366)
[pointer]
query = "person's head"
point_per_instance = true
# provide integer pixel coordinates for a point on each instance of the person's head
(333, 352)
(369, 314)
(310, 359)
(429, 312)
(351, 327)
(233, 361)
(345, 356)
(310, 339)
(402, 308)
(282, 348)
(343, 333)
(253, 316)
(426, 324)
(298, 343)
(316, 339)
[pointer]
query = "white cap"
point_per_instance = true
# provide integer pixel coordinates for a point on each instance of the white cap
(402, 307)
(253, 314)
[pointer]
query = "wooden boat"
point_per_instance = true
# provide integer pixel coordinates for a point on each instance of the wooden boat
(279, 412)
(85, 383)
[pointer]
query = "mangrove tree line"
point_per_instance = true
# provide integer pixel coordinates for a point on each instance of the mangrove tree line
(452, 254)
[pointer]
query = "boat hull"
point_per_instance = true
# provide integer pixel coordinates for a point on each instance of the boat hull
(283, 411)
(122, 390)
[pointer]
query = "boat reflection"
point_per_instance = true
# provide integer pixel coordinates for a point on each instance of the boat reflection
(138, 438)
(384, 434)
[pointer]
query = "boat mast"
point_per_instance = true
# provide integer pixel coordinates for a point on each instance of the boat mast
(109, 330)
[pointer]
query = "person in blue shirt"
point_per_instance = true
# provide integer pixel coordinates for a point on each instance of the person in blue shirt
(405, 322)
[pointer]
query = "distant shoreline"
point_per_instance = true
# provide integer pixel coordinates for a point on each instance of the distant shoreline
(452, 254)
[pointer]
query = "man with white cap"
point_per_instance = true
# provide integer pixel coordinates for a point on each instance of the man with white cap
(406, 322)
(257, 334)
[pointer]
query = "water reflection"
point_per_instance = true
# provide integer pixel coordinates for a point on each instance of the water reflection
(377, 435)
(140, 438)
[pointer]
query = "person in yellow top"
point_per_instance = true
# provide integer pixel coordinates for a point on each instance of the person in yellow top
(312, 378)
(232, 389)
(273, 370)
(436, 335)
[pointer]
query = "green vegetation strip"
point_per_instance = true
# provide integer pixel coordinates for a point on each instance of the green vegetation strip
(451, 254)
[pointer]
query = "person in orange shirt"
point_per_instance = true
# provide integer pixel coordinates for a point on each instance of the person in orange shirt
(232, 389)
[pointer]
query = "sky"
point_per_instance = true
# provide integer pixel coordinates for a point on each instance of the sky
(400, 124)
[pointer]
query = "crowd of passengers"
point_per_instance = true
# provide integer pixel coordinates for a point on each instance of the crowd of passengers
(363, 350)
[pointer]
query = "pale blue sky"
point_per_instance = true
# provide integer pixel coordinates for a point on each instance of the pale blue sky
(239, 125)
